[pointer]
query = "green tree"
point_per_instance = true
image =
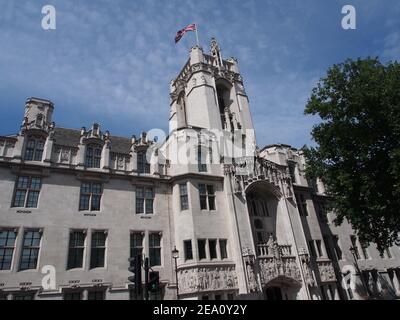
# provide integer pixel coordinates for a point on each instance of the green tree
(357, 153)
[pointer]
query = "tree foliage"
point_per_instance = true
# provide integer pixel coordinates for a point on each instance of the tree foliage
(358, 146)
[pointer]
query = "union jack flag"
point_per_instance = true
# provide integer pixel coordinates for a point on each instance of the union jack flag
(180, 33)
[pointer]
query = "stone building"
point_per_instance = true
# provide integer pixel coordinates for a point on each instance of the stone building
(75, 205)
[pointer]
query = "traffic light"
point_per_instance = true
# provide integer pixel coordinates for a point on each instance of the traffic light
(154, 282)
(132, 268)
(136, 278)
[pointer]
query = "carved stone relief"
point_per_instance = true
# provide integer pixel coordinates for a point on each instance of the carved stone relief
(326, 271)
(193, 280)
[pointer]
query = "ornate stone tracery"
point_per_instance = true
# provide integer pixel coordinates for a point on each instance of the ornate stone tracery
(248, 172)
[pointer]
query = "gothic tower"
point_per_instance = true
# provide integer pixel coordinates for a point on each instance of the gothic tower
(209, 93)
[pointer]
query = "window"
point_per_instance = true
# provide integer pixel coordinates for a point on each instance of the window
(93, 156)
(257, 207)
(388, 253)
(312, 248)
(142, 164)
(73, 296)
(24, 296)
(7, 245)
(336, 246)
(355, 247)
(205, 297)
(136, 245)
(34, 150)
(98, 252)
(210, 152)
(364, 249)
(184, 197)
(231, 296)
(96, 295)
(90, 198)
(144, 200)
(202, 165)
(319, 248)
(188, 249)
(202, 249)
(328, 248)
(331, 292)
(207, 197)
(302, 204)
(322, 289)
(322, 211)
(27, 192)
(218, 297)
(30, 250)
(258, 224)
(76, 249)
(223, 249)
(292, 171)
(155, 249)
(212, 246)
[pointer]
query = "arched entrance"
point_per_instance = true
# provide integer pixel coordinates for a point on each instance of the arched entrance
(282, 288)
(262, 205)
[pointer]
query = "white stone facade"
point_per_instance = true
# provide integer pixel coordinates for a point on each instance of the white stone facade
(248, 228)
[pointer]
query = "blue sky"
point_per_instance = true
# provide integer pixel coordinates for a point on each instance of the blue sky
(112, 61)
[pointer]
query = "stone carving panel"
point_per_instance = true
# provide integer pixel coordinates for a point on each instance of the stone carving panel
(271, 268)
(193, 280)
(119, 162)
(64, 155)
(326, 271)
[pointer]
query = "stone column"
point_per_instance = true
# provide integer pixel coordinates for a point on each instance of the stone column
(133, 163)
(48, 147)
(80, 157)
(105, 157)
(18, 148)
(155, 168)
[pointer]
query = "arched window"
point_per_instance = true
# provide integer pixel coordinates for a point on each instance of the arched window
(223, 96)
(34, 149)
(181, 112)
(93, 156)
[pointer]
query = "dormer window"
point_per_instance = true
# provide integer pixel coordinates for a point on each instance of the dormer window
(93, 156)
(34, 149)
(143, 166)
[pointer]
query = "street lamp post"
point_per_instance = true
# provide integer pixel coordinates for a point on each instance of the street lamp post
(353, 251)
(175, 255)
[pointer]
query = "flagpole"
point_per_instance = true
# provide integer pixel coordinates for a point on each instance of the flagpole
(197, 37)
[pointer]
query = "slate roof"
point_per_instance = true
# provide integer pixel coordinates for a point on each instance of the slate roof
(71, 138)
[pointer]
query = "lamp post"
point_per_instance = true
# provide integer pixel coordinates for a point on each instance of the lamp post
(175, 255)
(354, 252)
